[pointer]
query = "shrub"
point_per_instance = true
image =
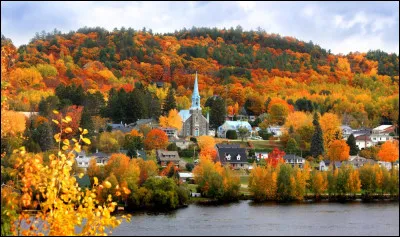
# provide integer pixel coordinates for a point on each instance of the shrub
(231, 134)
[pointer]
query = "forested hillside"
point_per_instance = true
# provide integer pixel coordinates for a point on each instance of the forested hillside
(251, 70)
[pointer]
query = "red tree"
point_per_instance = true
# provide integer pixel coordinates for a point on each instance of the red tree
(275, 157)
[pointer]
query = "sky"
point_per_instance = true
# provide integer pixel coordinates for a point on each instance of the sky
(342, 27)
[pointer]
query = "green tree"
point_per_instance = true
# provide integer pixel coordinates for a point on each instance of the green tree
(351, 141)
(231, 134)
(317, 141)
(243, 132)
(292, 147)
(133, 144)
(169, 102)
(284, 191)
(217, 112)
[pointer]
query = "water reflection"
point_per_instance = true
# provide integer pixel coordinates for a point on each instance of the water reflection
(249, 218)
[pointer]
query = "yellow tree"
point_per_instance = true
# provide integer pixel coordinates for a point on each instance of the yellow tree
(389, 152)
(173, 120)
(338, 151)
(207, 146)
(298, 119)
(53, 190)
(330, 125)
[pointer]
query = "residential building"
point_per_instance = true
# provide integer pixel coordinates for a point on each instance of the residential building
(358, 161)
(164, 157)
(194, 123)
(184, 176)
(261, 155)
(338, 164)
(152, 123)
(82, 160)
(171, 132)
(294, 160)
(363, 141)
(276, 130)
(382, 133)
(233, 155)
(101, 158)
(233, 125)
(181, 143)
(120, 126)
(385, 164)
(346, 131)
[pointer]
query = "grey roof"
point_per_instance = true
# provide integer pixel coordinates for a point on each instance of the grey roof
(164, 155)
(99, 155)
(224, 145)
(292, 156)
(337, 163)
(232, 155)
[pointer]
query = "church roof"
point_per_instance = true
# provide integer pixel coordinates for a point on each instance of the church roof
(185, 114)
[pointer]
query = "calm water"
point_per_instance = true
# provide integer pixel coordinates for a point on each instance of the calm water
(246, 218)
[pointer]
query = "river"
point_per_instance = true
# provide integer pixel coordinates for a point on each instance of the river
(247, 218)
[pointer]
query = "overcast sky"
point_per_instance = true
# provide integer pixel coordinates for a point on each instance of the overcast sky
(340, 26)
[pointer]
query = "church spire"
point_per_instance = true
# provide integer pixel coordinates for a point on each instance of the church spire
(195, 95)
(196, 87)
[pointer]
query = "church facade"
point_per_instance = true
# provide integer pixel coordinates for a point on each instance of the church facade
(194, 123)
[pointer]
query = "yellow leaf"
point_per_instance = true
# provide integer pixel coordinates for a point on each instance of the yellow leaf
(107, 184)
(96, 181)
(66, 142)
(68, 118)
(64, 147)
(77, 148)
(55, 111)
(81, 175)
(57, 137)
(80, 129)
(86, 140)
(74, 140)
(68, 130)
(85, 131)
(55, 121)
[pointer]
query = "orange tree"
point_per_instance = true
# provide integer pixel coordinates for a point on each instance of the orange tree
(338, 151)
(52, 190)
(389, 152)
(156, 139)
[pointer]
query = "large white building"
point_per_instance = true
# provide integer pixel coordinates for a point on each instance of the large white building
(381, 133)
(232, 125)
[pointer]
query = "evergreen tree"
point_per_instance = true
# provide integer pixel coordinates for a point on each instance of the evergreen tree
(317, 142)
(351, 141)
(217, 113)
(43, 135)
(87, 122)
(169, 102)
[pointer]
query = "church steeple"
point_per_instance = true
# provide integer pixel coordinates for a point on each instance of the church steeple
(195, 96)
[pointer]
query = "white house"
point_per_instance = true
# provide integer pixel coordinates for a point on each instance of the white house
(385, 164)
(381, 133)
(294, 160)
(276, 130)
(232, 125)
(346, 131)
(183, 176)
(363, 141)
(171, 132)
(82, 160)
(261, 155)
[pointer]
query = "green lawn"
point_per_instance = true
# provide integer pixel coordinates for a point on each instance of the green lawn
(258, 144)
(244, 180)
(187, 159)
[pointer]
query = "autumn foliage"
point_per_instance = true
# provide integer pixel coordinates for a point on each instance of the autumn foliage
(156, 139)
(389, 151)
